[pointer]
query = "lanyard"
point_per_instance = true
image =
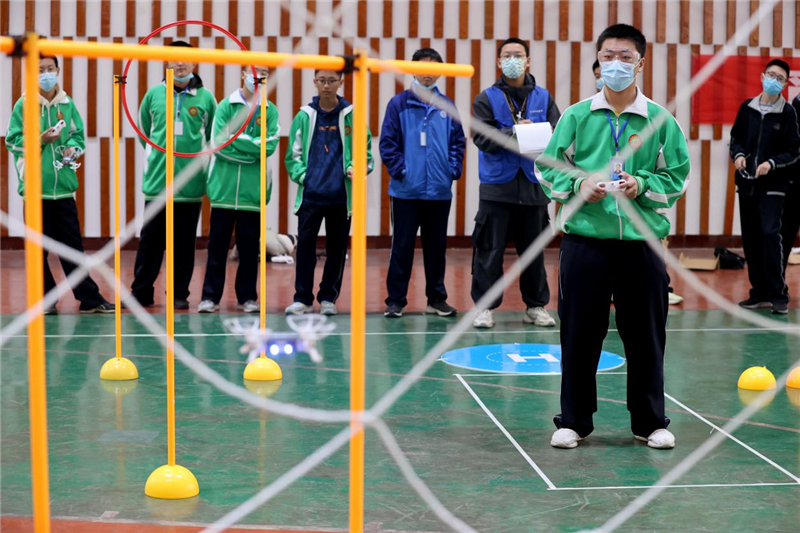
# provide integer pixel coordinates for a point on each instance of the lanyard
(616, 134)
(180, 101)
(511, 102)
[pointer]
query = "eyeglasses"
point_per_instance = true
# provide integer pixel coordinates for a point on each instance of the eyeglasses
(777, 77)
(48, 70)
(519, 55)
(328, 81)
(625, 56)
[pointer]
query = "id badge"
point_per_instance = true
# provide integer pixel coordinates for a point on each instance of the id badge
(423, 138)
(616, 168)
(178, 128)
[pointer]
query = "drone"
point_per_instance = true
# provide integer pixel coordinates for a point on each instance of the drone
(307, 330)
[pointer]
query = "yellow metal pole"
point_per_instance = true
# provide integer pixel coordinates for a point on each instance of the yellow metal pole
(170, 146)
(263, 209)
(358, 298)
(117, 268)
(34, 270)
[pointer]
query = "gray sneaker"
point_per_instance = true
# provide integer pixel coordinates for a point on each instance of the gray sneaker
(538, 316)
(484, 320)
(327, 308)
(299, 308)
(207, 306)
(250, 306)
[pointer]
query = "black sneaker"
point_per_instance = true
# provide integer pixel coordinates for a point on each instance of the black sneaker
(393, 311)
(755, 303)
(780, 308)
(104, 308)
(142, 302)
(440, 308)
(181, 304)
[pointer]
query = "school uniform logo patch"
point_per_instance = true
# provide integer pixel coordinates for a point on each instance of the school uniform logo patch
(442, 114)
(60, 115)
(258, 120)
(193, 111)
(347, 130)
(635, 141)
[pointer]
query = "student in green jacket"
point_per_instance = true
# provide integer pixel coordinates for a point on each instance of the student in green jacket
(61, 151)
(194, 114)
(602, 253)
(319, 160)
(234, 188)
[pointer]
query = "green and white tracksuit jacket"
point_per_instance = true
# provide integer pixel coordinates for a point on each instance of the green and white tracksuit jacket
(194, 108)
(234, 178)
(58, 179)
(300, 136)
(583, 140)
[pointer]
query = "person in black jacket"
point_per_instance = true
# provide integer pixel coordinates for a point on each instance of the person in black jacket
(512, 205)
(764, 143)
(790, 222)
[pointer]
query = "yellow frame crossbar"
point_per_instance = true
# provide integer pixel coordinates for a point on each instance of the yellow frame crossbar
(33, 251)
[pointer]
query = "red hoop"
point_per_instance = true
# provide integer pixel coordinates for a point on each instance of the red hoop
(253, 105)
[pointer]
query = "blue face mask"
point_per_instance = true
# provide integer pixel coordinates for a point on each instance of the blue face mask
(599, 82)
(430, 87)
(617, 75)
(47, 81)
(771, 87)
(183, 79)
(250, 83)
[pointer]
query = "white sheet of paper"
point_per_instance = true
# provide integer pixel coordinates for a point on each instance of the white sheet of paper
(533, 138)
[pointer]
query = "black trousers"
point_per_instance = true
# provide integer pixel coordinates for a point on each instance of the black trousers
(337, 230)
(223, 222)
(590, 272)
(790, 222)
(763, 250)
(430, 217)
(60, 222)
(153, 243)
(496, 224)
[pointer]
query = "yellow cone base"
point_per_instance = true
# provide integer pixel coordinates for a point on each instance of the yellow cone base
(265, 389)
(757, 378)
(263, 369)
(119, 369)
(793, 381)
(172, 483)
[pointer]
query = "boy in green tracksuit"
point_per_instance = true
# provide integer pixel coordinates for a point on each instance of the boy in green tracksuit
(61, 151)
(234, 188)
(602, 253)
(194, 114)
(319, 160)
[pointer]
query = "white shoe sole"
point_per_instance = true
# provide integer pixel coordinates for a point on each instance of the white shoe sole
(564, 446)
(328, 312)
(432, 311)
(528, 320)
(209, 311)
(299, 313)
(654, 446)
(483, 325)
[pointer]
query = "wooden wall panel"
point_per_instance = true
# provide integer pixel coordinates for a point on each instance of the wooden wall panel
(233, 16)
(208, 16)
(91, 96)
(513, 18)
(661, 21)
(348, 80)
(219, 70)
(55, 18)
(672, 71)
(413, 18)
(488, 19)
(730, 19)
(708, 21)
(4, 16)
(463, 19)
(797, 24)
(388, 18)
(180, 12)
(575, 76)
(258, 18)
(16, 77)
(613, 6)
(647, 74)
(754, 35)
(105, 18)
(80, 18)
(777, 24)
(538, 20)
(374, 88)
(362, 18)
(730, 200)
(130, 18)
(588, 20)
(30, 16)
(66, 71)
(105, 180)
(637, 13)
(551, 66)
(705, 184)
(685, 21)
(563, 20)
(155, 16)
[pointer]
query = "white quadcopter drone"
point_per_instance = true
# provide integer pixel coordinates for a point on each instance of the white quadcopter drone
(307, 331)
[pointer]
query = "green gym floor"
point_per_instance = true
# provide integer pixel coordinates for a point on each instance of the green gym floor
(103, 443)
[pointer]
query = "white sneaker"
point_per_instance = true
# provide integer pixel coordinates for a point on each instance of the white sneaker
(299, 308)
(327, 308)
(674, 299)
(484, 320)
(250, 306)
(207, 306)
(538, 316)
(565, 438)
(660, 439)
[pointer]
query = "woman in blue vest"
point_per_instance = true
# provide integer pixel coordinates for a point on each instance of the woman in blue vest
(512, 205)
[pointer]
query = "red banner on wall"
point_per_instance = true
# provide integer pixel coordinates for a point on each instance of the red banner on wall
(717, 101)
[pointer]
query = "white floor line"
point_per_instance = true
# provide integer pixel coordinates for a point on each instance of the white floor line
(734, 439)
(507, 434)
(389, 333)
(701, 486)
(515, 374)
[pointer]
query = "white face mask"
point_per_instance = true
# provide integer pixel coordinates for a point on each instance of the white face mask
(512, 67)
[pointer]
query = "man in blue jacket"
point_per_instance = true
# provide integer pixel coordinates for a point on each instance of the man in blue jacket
(423, 149)
(512, 205)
